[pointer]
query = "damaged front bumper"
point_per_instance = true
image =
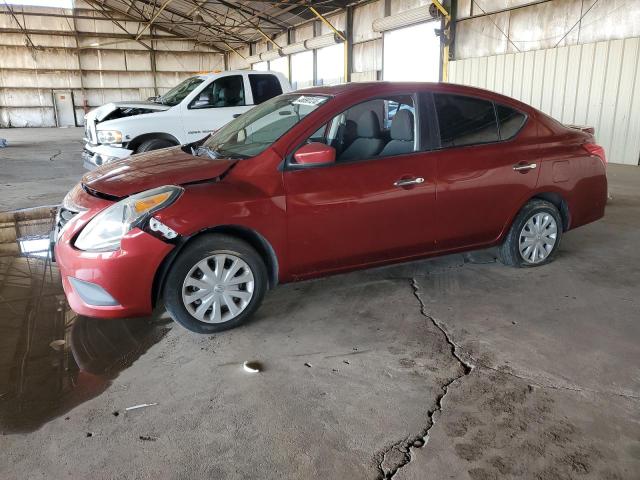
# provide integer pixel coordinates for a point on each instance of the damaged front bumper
(95, 155)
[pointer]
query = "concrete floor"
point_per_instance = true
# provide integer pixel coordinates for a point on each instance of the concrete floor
(456, 367)
(39, 166)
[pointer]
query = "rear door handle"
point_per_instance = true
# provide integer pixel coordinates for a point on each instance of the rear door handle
(523, 167)
(405, 182)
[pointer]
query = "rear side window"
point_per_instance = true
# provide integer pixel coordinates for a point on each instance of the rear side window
(510, 121)
(264, 87)
(465, 120)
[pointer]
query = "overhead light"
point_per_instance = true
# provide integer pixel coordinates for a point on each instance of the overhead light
(270, 55)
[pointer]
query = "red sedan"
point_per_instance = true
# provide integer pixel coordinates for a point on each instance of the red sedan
(321, 181)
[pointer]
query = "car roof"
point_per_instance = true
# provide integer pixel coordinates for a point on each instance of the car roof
(382, 87)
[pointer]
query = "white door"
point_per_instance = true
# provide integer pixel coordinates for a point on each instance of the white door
(217, 104)
(63, 103)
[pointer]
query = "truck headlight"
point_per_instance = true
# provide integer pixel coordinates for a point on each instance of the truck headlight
(109, 136)
(104, 232)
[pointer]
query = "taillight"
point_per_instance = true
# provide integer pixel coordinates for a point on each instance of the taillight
(597, 150)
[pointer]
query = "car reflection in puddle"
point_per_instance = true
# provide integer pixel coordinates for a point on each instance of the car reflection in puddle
(51, 359)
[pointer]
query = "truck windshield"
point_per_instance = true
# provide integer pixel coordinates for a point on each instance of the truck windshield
(179, 92)
(251, 133)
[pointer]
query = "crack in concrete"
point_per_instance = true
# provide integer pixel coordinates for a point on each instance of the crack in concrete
(538, 384)
(403, 447)
(55, 155)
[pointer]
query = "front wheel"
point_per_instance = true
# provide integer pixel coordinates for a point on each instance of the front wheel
(216, 283)
(534, 236)
(154, 144)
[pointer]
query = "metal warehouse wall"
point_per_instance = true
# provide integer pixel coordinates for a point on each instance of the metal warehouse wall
(521, 25)
(595, 84)
(366, 44)
(117, 70)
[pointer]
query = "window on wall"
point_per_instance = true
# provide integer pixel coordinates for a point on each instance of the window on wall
(401, 62)
(260, 66)
(331, 65)
(302, 70)
(280, 65)
(465, 120)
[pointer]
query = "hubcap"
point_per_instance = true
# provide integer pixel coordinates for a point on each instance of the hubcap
(538, 238)
(218, 288)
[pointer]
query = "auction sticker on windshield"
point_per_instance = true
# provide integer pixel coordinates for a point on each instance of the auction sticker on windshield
(302, 100)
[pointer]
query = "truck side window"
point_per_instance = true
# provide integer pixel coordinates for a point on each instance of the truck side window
(264, 86)
(223, 92)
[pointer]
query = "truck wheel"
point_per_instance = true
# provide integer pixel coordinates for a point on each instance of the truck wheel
(216, 283)
(534, 236)
(154, 144)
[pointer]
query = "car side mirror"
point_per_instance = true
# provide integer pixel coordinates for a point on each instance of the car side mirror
(315, 153)
(200, 103)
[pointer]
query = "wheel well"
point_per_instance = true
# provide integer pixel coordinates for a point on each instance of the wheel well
(561, 205)
(253, 238)
(136, 142)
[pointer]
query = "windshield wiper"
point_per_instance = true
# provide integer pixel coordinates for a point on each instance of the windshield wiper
(203, 150)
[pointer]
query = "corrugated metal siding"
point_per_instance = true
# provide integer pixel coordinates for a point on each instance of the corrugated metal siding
(596, 84)
(116, 71)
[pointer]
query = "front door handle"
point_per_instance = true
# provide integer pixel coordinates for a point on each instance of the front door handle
(406, 182)
(523, 167)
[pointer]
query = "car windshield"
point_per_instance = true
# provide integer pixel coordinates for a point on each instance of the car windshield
(251, 133)
(179, 92)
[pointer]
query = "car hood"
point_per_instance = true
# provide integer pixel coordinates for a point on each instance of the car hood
(125, 109)
(169, 166)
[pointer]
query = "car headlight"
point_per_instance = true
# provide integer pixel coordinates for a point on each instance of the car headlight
(104, 232)
(109, 136)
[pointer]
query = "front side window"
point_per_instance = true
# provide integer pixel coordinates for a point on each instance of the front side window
(465, 120)
(223, 92)
(264, 87)
(178, 93)
(377, 128)
(251, 133)
(510, 120)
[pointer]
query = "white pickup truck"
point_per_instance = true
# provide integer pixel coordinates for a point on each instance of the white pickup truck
(188, 112)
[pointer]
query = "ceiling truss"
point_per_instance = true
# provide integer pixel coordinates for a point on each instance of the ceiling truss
(222, 25)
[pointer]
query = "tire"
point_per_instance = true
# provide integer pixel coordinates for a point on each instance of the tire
(154, 144)
(185, 274)
(519, 238)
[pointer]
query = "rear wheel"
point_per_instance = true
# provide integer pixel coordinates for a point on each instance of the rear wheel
(534, 236)
(154, 144)
(216, 283)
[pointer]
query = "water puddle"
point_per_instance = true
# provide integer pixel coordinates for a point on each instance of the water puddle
(51, 359)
